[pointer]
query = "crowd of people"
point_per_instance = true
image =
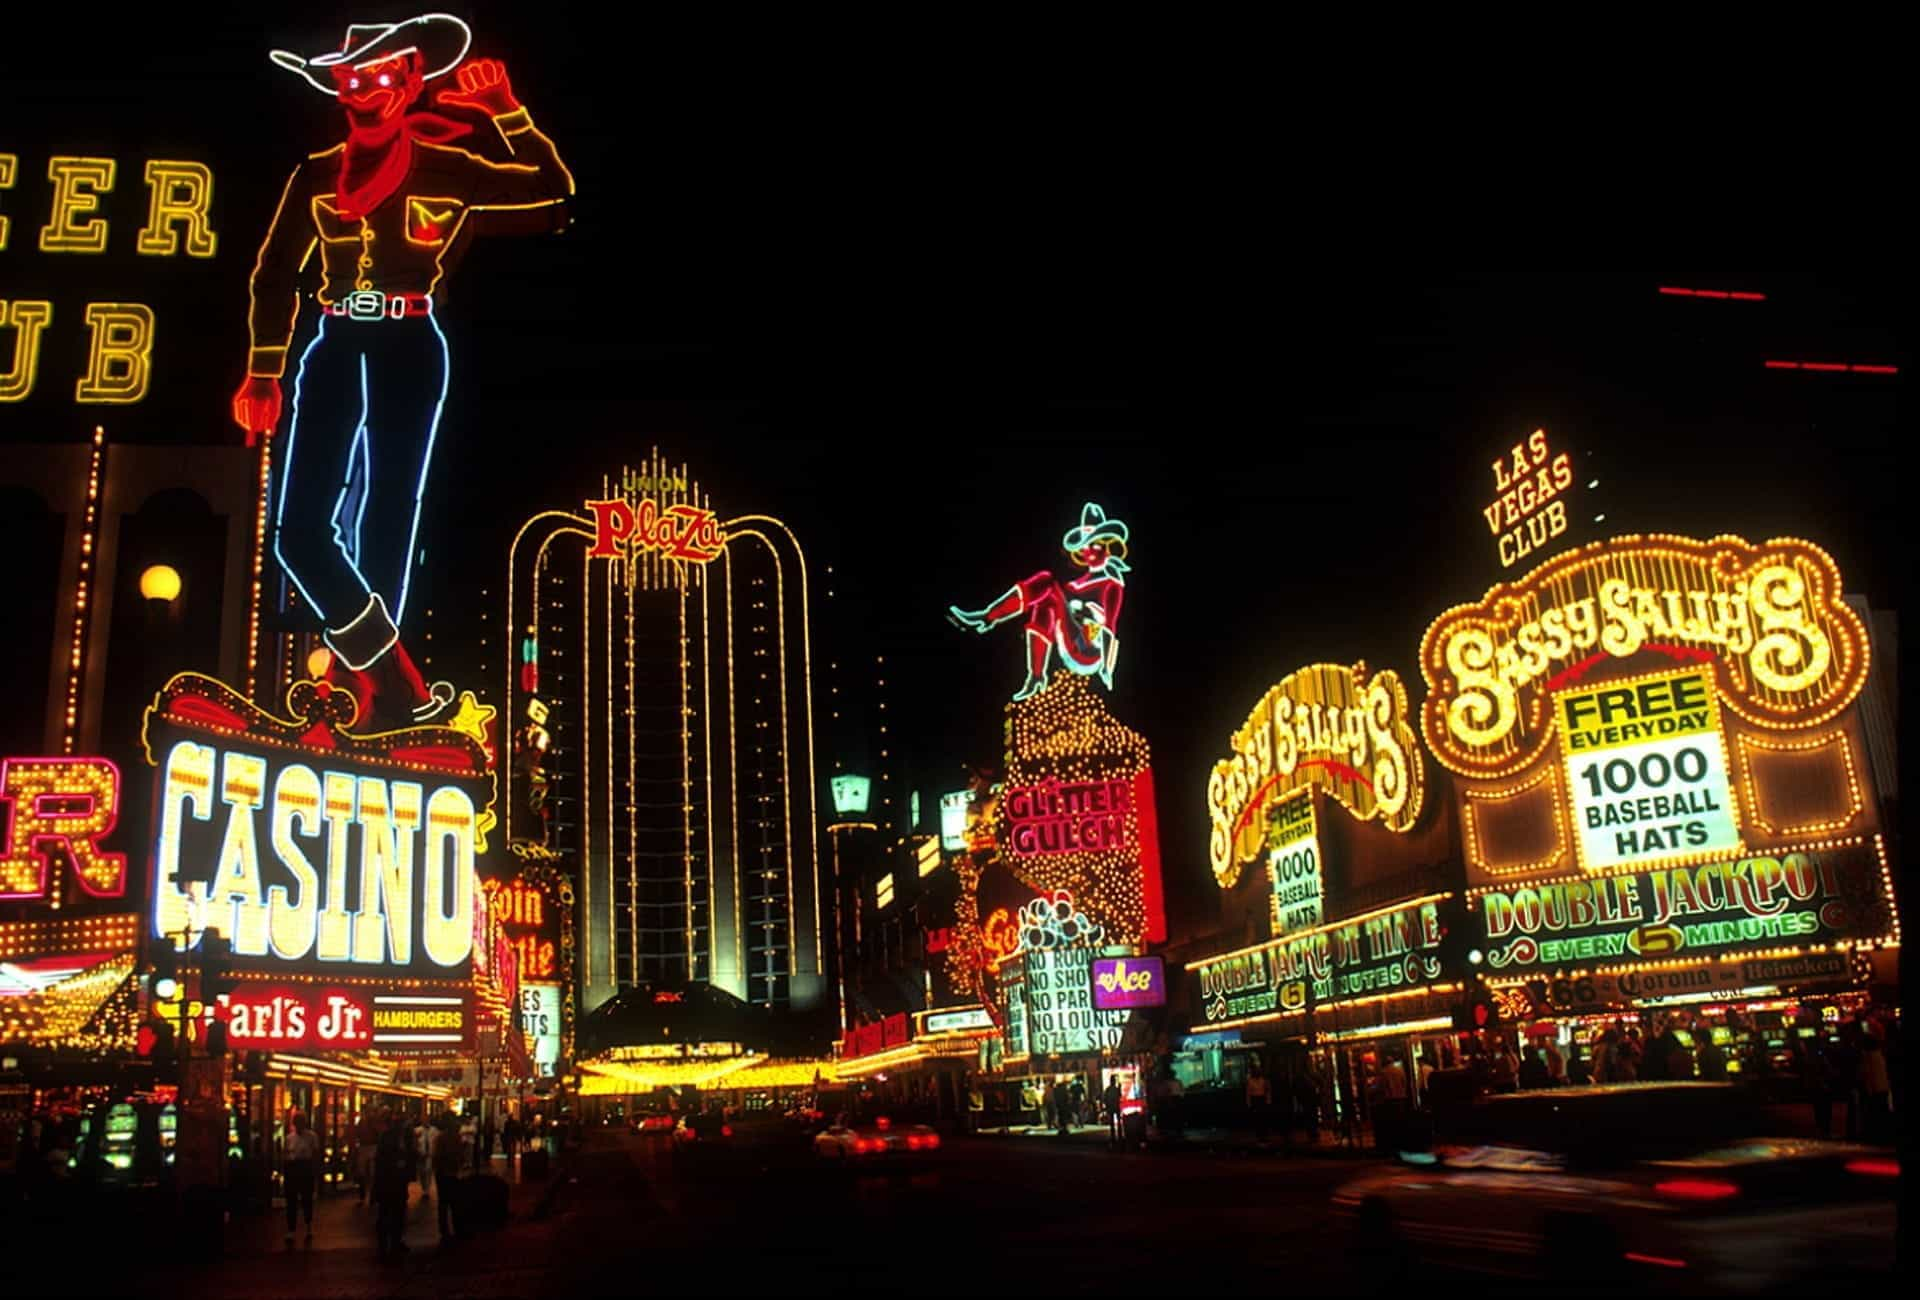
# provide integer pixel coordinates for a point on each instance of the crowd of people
(1848, 1069)
(392, 1151)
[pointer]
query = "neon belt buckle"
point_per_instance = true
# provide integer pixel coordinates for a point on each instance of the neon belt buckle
(366, 304)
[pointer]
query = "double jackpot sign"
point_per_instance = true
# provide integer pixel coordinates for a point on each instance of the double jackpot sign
(1659, 758)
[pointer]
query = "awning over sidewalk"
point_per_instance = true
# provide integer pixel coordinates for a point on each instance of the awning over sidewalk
(83, 1003)
(619, 1078)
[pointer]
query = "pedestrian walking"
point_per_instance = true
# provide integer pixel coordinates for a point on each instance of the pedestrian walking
(447, 1153)
(299, 1164)
(366, 1135)
(1061, 1100)
(1078, 1096)
(392, 1171)
(1876, 1089)
(423, 1134)
(510, 1135)
(1116, 1124)
(1306, 1102)
(1259, 1100)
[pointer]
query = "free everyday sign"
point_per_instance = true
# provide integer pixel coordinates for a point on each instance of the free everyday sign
(1647, 770)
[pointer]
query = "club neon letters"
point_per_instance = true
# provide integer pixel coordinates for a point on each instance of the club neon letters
(1527, 513)
(120, 347)
(408, 849)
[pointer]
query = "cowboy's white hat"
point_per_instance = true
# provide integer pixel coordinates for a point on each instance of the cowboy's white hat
(441, 40)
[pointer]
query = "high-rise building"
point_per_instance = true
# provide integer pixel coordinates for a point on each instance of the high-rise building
(661, 699)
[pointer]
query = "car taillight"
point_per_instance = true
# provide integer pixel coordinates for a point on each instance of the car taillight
(1874, 1168)
(726, 1130)
(1696, 1189)
(883, 1123)
(1657, 1261)
(865, 1146)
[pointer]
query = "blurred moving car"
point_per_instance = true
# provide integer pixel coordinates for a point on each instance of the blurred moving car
(1659, 1186)
(880, 1144)
(653, 1121)
(702, 1140)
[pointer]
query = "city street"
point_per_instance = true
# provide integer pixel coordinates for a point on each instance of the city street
(1028, 1214)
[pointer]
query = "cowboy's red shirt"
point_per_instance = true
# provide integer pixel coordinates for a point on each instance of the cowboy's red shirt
(398, 248)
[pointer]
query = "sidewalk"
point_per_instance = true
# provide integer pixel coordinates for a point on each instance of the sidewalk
(1220, 1140)
(341, 1222)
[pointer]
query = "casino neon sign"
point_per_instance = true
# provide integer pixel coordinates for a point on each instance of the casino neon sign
(409, 847)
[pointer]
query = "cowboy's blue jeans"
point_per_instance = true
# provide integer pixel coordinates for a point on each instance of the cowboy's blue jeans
(366, 409)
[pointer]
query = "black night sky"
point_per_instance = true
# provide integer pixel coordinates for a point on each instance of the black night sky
(951, 359)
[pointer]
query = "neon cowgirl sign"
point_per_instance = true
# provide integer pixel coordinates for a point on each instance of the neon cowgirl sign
(1076, 619)
(382, 210)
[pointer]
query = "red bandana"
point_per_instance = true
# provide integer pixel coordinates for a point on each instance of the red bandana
(388, 162)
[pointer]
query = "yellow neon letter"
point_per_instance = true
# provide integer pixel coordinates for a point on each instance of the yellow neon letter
(293, 919)
(189, 786)
(119, 359)
(237, 877)
(9, 169)
(29, 318)
(386, 872)
(177, 192)
(78, 184)
(448, 935)
(335, 942)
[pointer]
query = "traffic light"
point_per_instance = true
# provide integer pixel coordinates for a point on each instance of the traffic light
(216, 967)
(166, 971)
(155, 1038)
(216, 981)
(1480, 1012)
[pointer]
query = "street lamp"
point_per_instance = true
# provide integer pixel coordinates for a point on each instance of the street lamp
(160, 582)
